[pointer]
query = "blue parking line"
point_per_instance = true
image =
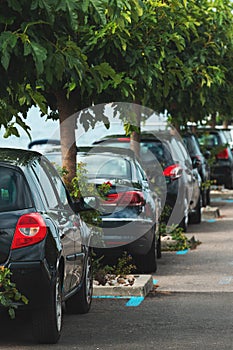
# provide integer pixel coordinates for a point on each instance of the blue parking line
(182, 252)
(211, 220)
(134, 301)
(109, 297)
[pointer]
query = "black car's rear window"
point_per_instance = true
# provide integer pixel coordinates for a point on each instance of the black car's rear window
(100, 166)
(158, 150)
(14, 193)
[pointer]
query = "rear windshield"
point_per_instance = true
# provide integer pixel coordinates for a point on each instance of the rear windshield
(101, 166)
(149, 151)
(14, 193)
(209, 140)
(156, 149)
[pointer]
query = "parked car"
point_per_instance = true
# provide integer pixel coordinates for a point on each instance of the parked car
(183, 183)
(228, 133)
(43, 241)
(130, 209)
(221, 169)
(200, 162)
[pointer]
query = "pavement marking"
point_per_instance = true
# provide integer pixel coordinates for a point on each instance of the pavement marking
(134, 301)
(110, 297)
(182, 252)
(210, 220)
(225, 280)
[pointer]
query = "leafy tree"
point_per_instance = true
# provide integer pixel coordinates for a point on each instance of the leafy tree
(69, 55)
(43, 64)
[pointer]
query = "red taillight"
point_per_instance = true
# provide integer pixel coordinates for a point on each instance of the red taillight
(223, 154)
(30, 229)
(122, 139)
(173, 171)
(129, 198)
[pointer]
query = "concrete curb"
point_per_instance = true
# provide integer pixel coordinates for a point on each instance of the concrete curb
(223, 194)
(210, 213)
(142, 286)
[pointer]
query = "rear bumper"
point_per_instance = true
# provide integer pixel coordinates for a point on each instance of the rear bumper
(136, 240)
(33, 280)
(222, 173)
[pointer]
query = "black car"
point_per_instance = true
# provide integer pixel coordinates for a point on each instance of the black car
(43, 241)
(129, 210)
(200, 161)
(166, 160)
(221, 162)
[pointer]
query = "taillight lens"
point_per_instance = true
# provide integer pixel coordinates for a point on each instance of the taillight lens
(129, 198)
(223, 154)
(122, 139)
(174, 172)
(30, 229)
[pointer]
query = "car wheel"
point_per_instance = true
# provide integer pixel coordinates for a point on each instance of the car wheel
(47, 322)
(80, 302)
(147, 263)
(159, 248)
(195, 217)
(184, 222)
(208, 196)
(229, 183)
(204, 197)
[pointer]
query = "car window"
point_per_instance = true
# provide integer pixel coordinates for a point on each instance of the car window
(61, 190)
(192, 145)
(98, 165)
(156, 149)
(45, 186)
(209, 140)
(184, 153)
(176, 151)
(14, 192)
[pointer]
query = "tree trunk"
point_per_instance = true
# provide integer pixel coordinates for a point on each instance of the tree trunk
(67, 120)
(135, 136)
(213, 120)
(225, 124)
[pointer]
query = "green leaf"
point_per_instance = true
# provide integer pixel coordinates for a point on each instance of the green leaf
(39, 55)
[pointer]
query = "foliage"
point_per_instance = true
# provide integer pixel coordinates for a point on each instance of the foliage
(172, 55)
(123, 267)
(65, 56)
(9, 295)
(176, 233)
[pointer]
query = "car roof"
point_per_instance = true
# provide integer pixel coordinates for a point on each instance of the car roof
(18, 157)
(109, 151)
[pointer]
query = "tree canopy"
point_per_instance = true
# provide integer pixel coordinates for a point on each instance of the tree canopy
(63, 56)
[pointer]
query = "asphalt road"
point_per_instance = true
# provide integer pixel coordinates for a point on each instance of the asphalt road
(190, 308)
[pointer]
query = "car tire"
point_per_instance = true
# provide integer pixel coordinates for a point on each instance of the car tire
(80, 302)
(195, 217)
(147, 263)
(229, 183)
(159, 248)
(204, 196)
(208, 196)
(47, 321)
